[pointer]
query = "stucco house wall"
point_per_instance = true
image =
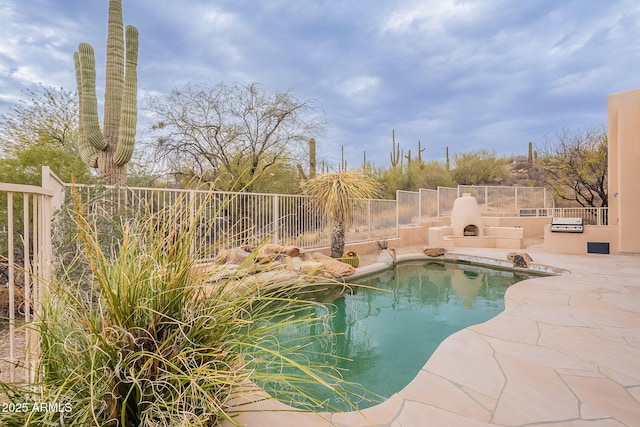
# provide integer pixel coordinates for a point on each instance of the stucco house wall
(624, 168)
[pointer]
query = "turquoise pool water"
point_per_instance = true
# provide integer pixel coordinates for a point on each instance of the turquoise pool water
(384, 333)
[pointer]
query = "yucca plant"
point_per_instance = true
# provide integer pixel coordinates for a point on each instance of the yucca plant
(153, 341)
(338, 195)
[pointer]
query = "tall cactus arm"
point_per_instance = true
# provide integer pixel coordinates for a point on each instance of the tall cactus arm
(129, 111)
(92, 140)
(88, 153)
(114, 82)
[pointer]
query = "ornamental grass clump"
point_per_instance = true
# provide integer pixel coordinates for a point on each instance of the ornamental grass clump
(147, 339)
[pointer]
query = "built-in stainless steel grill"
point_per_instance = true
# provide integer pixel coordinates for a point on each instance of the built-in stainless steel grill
(567, 225)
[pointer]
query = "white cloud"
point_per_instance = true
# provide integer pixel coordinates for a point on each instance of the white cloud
(576, 84)
(361, 85)
(432, 16)
(217, 19)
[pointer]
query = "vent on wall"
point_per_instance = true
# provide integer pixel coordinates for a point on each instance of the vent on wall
(598, 247)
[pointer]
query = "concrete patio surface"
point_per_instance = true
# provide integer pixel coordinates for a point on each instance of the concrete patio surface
(565, 352)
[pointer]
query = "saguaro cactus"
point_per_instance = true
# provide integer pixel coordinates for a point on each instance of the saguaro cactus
(312, 158)
(109, 149)
(408, 157)
(312, 162)
(420, 151)
(395, 150)
(447, 162)
(343, 162)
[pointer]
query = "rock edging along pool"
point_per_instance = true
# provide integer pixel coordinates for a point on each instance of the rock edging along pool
(380, 334)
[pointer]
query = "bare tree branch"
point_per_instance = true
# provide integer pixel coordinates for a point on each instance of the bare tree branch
(237, 130)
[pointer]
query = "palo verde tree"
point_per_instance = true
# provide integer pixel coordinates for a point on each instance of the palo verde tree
(235, 131)
(430, 174)
(111, 148)
(480, 167)
(573, 163)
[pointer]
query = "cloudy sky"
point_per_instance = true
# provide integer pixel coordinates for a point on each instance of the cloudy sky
(470, 75)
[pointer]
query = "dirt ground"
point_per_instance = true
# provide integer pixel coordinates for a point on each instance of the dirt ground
(4, 301)
(4, 330)
(4, 351)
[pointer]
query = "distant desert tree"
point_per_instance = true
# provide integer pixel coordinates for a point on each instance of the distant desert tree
(479, 167)
(573, 163)
(430, 174)
(41, 129)
(235, 131)
(46, 117)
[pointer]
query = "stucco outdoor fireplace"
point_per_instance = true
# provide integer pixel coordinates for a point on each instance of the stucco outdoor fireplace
(468, 229)
(465, 217)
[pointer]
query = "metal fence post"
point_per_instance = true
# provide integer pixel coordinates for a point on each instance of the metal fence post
(599, 216)
(486, 198)
(192, 216)
(369, 219)
(276, 219)
(11, 273)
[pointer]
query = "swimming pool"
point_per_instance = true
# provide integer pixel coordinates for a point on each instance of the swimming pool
(385, 331)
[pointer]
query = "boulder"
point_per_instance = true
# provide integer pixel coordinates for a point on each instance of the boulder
(526, 256)
(334, 269)
(319, 255)
(520, 261)
(236, 286)
(237, 256)
(261, 267)
(434, 252)
(293, 262)
(225, 271)
(221, 256)
(306, 256)
(292, 251)
(311, 268)
(275, 278)
(511, 256)
(270, 252)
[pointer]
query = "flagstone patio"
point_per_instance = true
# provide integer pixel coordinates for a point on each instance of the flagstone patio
(566, 351)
